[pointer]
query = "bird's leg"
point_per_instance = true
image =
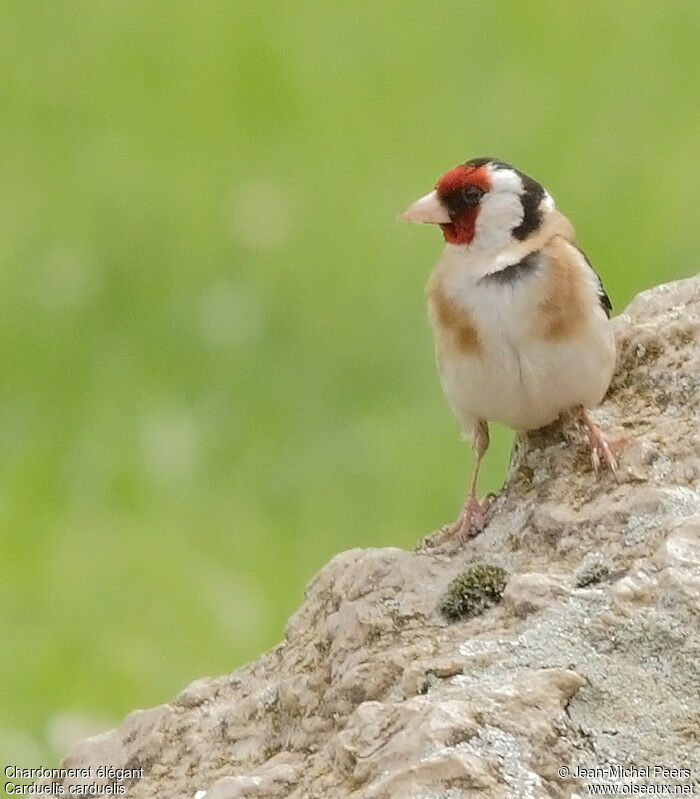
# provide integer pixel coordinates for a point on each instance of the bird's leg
(600, 446)
(471, 520)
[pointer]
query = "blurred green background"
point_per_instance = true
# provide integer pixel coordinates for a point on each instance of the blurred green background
(216, 367)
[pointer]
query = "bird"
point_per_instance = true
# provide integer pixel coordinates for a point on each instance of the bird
(520, 318)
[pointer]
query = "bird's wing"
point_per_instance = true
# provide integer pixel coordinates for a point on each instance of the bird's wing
(602, 293)
(565, 229)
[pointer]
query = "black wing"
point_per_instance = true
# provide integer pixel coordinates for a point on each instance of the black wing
(602, 293)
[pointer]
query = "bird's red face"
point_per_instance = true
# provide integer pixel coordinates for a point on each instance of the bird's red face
(460, 191)
(485, 202)
(455, 202)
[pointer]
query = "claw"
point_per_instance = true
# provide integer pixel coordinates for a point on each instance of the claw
(600, 447)
(471, 520)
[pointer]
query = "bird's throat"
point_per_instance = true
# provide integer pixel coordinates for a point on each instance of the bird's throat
(461, 230)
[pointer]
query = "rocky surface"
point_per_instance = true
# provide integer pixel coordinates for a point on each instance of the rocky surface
(589, 659)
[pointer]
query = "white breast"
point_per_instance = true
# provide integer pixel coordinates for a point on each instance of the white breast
(518, 377)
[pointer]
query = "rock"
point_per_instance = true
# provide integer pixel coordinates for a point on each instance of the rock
(593, 568)
(274, 778)
(532, 591)
(589, 659)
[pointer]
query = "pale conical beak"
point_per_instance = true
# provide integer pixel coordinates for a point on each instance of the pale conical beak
(428, 210)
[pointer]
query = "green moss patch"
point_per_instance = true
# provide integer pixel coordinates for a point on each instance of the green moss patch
(473, 591)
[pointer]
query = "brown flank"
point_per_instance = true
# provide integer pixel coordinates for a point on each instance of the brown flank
(453, 320)
(564, 303)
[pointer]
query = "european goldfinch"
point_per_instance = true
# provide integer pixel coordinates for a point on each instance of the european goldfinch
(520, 317)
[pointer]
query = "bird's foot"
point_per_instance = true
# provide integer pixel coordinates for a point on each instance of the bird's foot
(601, 448)
(471, 520)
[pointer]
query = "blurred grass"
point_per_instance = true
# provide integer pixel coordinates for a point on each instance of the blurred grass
(216, 366)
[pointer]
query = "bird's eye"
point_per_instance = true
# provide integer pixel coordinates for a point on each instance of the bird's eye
(471, 195)
(460, 200)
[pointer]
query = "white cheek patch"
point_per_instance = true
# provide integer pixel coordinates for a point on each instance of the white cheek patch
(505, 180)
(501, 209)
(500, 212)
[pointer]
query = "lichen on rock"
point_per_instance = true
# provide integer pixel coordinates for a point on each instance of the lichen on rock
(594, 568)
(588, 660)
